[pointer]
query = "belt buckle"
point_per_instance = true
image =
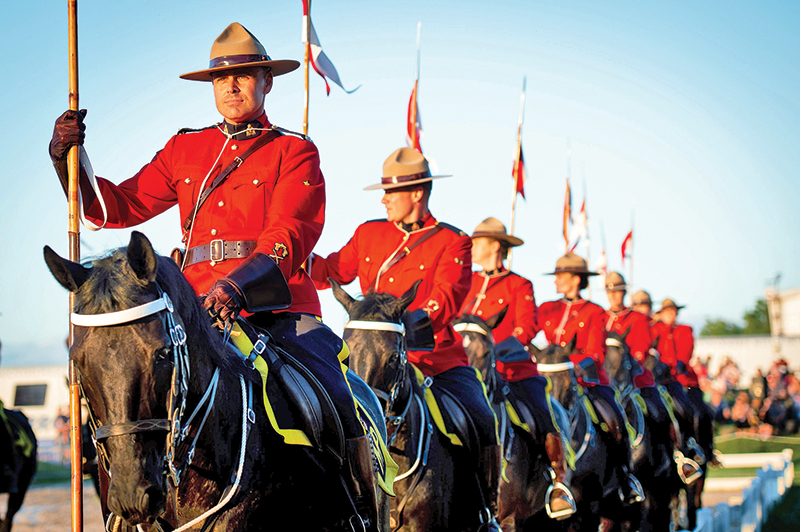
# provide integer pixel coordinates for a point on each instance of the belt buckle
(216, 250)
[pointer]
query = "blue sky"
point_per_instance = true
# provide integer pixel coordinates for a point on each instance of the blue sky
(684, 113)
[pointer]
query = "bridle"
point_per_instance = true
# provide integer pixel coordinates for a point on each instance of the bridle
(491, 373)
(176, 430)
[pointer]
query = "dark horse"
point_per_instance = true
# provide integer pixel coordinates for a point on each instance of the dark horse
(594, 482)
(433, 492)
(24, 447)
(652, 446)
(160, 368)
(521, 498)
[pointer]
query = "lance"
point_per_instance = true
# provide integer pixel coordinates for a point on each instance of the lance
(516, 164)
(73, 167)
(414, 117)
(307, 46)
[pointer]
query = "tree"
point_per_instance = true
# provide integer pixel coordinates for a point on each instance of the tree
(720, 327)
(756, 320)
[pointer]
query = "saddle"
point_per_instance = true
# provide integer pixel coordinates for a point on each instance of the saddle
(299, 408)
(450, 416)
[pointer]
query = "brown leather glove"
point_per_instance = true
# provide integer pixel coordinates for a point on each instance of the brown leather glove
(67, 132)
(224, 299)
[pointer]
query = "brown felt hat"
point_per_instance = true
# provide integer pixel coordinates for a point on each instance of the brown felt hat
(642, 298)
(615, 282)
(494, 228)
(238, 48)
(668, 303)
(571, 263)
(403, 168)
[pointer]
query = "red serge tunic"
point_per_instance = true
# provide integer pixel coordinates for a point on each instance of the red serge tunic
(442, 262)
(276, 198)
(489, 295)
(564, 320)
(638, 339)
(676, 344)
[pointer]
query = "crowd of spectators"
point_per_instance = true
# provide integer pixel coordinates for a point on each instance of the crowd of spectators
(769, 406)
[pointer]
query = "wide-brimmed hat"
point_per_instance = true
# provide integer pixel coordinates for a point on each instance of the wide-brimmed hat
(642, 298)
(615, 282)
(238, 48)
(493, 228)
(403, 168)
(571, 263)
(668, 303)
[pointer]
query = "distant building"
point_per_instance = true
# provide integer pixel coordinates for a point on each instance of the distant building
(39, 392)
(784, 311)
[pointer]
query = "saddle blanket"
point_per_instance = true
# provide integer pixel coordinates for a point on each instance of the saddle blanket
(283, 423)
(22, 441)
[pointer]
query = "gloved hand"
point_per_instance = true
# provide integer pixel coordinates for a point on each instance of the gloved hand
(67, 132)
(224, 299)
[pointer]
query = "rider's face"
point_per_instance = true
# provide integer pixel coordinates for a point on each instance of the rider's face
(567, 283)
(644, 309)
(615, 299)
(239, 93)
(400, 203)
(482, 250)
(668, 315)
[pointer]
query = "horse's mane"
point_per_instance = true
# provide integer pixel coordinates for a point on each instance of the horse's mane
(113, 286)
(376, 306)
(472, 318)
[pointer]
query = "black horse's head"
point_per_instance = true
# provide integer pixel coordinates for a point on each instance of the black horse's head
(477, 339)
(554, 362)
(619, 364)
(377, 356)
(126, 368)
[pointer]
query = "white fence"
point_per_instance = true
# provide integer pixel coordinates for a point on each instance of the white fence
(766, 490)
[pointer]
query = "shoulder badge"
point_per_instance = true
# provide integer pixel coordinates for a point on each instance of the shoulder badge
(453, 228)
(293, 133)
(185, 130)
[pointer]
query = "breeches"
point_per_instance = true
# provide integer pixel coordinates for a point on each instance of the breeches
(533, 393)
(463, 383)
(318, 348)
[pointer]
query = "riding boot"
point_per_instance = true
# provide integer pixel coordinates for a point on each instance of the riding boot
(360, 479)
(560, 502)
(490, 466)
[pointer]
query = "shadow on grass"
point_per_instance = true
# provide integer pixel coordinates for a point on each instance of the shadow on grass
(786, 514)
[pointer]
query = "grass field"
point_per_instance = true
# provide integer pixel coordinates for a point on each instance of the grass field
(753, 445)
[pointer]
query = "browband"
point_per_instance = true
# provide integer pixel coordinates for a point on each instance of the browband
(471, 327)
(121, 316)
(376, 326)
(553, 368)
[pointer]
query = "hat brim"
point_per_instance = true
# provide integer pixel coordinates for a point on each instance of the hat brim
(278, 67)
(573, 270)
(676, 307)
(511, 239)
(379, 186)
(617, 288)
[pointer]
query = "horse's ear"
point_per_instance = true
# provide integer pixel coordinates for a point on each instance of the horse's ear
(401, 303)
(625, 334)
(70, 275)
(535, 351)
(142, 258)
(341, 296)
(570, 347)
(495, 320)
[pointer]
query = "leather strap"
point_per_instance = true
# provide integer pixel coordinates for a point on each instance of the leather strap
(400, 256)
(220, 250)
(262, 140)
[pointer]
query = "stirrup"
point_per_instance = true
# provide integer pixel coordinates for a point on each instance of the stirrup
(488, 522)
(698, 451)
(637, 491)
(561, 514)
(681, 461)
(357, 523)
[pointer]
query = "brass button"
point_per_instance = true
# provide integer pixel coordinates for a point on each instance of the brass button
(563, 344)
(255, 181)
(187, 180)
(421, 266)
(367, 259)
(405, 237)
(234, 147)
(391, 279)
(580, 324)
(221, 203)
(547, 322)
(480, 313)
(500, 301)
(213, 263)
(213, 231)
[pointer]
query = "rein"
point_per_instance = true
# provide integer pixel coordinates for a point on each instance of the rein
(179, 389)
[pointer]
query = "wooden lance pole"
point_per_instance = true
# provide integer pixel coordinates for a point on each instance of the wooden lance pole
(516, 165)
(307, 46)
(73, 166)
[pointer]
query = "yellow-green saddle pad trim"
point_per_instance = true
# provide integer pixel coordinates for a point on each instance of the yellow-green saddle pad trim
(290, 436)
(433, 408)
(23, 441)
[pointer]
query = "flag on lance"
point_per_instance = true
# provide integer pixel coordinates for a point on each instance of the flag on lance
(601, 266)
(580, 228)
(319, 61)
(567, 214)
(627, 246)
(414, 122)
(518, 173)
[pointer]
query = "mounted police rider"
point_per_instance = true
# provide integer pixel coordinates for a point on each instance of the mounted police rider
(575, 318)
(390, 255)
(257, 226)
(493, 289)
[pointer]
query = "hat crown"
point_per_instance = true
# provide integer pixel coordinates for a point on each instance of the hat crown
(405, 162)
(668, 303)
(491, 225)
(615, 280)
(571, 262)
(236, 40)
(642, 298)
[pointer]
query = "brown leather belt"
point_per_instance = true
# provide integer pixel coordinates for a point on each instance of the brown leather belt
(219, 250)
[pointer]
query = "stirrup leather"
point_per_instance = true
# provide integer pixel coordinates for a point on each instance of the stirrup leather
(637, 491)
(561, 514)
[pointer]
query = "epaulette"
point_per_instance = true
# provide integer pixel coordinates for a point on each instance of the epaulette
(293, 133)
(453, 228)
(376, 220)
(194, 130)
